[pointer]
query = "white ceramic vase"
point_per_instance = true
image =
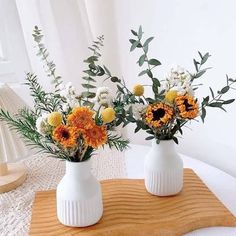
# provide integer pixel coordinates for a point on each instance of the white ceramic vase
(79, 196)
(163, 169)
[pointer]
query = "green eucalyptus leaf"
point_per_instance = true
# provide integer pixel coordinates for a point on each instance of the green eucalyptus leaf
(149, 138)
(175, 140)
(88, 86)
(154, 62)
(148, 41)
(200, 54)
(130, 118)
(134, 33)
(142, 73)
(212, 93)
(137, 129)
(196, 63)
(149, 73)
(145, 49)
(206, 100)
(200, 73)
(141, 60)
(156, 82)
(228, 101)
(88, 78)
(205, 58)
(134, 45)
(132, 41)
(225, 89)
(215, 104)
(140, 32)
(203, 115)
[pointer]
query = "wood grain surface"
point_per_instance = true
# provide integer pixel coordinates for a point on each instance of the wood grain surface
(130, 210)
(15, 176)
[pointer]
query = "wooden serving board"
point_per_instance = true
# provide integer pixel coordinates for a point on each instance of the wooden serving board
(130, 210)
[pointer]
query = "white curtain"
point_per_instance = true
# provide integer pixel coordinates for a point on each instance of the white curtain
(181, 29)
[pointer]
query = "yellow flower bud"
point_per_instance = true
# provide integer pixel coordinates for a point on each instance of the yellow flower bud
(170, 96)
(108, 115)
(138, 90)
(54, 118)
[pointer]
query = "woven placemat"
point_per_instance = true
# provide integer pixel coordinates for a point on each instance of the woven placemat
(130, 210)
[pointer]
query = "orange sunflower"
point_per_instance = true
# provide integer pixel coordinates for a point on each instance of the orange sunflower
(187, 106)
(81, 118)
(158, 114)
(96, 136)
(66, 136)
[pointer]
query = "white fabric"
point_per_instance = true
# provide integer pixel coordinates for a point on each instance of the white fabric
(44, 173)
(220, 183)
(11, 145)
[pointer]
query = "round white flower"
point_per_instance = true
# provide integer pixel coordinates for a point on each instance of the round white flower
(103, 96)
(42, 125)
(179, 79)
(138, 110)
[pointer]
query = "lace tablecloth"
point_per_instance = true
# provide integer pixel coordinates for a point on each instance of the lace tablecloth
(44, 173)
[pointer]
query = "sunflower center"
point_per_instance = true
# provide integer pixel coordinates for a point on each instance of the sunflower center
(188, 107)
(65, 134)
(158, 114)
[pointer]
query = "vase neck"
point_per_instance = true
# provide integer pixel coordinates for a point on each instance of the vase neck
(80, 170)
(165, 146)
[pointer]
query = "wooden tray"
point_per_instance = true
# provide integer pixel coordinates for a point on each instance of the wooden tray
(130, 210)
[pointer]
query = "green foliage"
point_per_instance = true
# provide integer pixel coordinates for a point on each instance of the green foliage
(198, 65)
(217, 100)
(24, 122)
(92, 71)
(117, 142)
(138, 42)
(174, 126)
(44, 54)
(43, 101)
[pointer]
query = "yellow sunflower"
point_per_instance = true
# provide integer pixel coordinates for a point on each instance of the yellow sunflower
(96, 136)
(66, 136)
(158, 114)
(187, 106)
(81, 118)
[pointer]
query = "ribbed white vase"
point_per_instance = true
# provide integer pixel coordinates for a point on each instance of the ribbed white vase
(79, 196)
(163, 170)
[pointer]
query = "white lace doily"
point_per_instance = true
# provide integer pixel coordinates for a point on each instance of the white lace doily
(44, 173)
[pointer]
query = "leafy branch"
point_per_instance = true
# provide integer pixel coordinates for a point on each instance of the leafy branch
(44, 54)
(216, 99)
(93, 70)
(43, 101)
(151, 63)
(198, 65)
(117, 142)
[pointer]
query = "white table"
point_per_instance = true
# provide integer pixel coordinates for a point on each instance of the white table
(220, 183)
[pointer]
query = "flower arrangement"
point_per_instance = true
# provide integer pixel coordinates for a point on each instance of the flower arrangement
(174, 103)
(64, 124)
